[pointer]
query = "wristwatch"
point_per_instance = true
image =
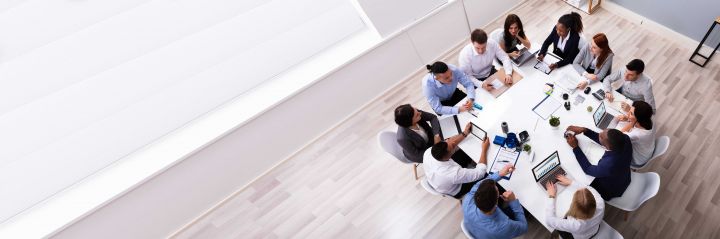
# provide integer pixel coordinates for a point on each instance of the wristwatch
(551, 196)
(463, 134)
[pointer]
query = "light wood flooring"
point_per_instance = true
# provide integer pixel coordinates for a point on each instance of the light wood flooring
(345, 186)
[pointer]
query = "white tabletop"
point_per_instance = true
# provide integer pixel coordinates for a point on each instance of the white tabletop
(515, 108)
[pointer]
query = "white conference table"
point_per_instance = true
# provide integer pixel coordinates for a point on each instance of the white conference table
(515, 107)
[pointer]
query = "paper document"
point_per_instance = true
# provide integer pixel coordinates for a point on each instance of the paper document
(567, 82)
(546, 107)
(616, 104)
(504, 157)
(497, 84)
(544, 65)
(449, 126)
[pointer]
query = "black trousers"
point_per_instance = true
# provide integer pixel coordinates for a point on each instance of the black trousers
(456, 97)
(492, 71)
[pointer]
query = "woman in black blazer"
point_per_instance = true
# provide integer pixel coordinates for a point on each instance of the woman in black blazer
(414, 134)
(567, 31)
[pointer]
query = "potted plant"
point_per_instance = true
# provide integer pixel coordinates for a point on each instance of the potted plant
(527, 148)
(589, 108)
(554, 122)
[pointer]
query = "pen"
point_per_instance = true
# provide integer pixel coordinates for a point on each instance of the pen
(504, 161)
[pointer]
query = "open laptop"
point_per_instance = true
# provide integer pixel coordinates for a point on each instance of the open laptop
(601, 117)
(547, 170)
(525, 55)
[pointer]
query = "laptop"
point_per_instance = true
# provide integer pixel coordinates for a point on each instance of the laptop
(601, 117)
(548, 169)
(525, 55)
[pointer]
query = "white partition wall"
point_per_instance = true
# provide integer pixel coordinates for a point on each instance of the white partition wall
(175, 197)
(388, 17)
(481, 12)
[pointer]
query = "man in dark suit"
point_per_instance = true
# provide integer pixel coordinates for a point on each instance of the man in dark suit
(415, 135)
(612, 173)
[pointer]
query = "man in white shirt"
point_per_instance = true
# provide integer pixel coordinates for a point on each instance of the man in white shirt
(477, 57)
(447, 176)
(636, 86)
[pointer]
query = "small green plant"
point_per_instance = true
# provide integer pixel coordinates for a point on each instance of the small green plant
(527, 148)
(589, 108)
(554, 121)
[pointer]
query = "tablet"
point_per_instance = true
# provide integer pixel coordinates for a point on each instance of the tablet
(478, 132)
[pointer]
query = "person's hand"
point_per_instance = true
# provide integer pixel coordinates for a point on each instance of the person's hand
(591, 77)
(553, 66)
(621, 117)
(464, 108)
(609, 96)
(487, 86)
(468, 127)
(562, 180)
(508, 79)
(572, 141)
(631, 118)
(582, 85)
(576, 129)
(551, 191)
(514, 54)
(508, 196)
(625, 106)
(541, 57)
(509, 168)
(437, 138)
(486, 144)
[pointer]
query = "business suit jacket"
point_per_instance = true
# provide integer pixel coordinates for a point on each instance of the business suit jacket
(585, 59)
(568, 53)
(612, 173)
(413, 144)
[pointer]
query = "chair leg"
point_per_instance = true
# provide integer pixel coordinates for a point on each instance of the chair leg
(415, 171)
(626, 215)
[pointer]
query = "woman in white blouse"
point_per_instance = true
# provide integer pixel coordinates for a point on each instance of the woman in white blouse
(596, 59)
(637, 124)
(585, 215)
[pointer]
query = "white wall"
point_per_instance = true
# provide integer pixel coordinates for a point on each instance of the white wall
(388, 17)
(183, 192)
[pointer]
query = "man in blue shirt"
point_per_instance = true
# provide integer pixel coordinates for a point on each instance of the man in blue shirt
(482, 216)
(612, 172)
(440, 89)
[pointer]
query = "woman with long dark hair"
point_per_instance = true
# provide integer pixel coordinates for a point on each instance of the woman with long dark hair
(511, 35)
(638, 125)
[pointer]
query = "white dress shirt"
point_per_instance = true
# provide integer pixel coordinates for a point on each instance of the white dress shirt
(579, 228)
(447, 177)
(478, 65)
(643, 143)
(640, 89)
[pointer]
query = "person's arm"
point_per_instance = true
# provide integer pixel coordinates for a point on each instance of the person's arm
(600, 170)
(466, 175)
(464, 60)
(434, 102)
(507, 65)
(627, 127)
(580, 57)
(466, 82)
(607, 84)
(518, 226)
(525, 41)
(549, 40)
(605, 69)
(434, 122)
(592, 135)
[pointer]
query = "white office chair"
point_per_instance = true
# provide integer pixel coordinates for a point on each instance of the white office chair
(607, 232)
(426, 185)
(464, 230)
(661, 146)
(643, 186)
(388, 142)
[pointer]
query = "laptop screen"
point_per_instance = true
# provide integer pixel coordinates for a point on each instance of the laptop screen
(599, 113)
(546, 166)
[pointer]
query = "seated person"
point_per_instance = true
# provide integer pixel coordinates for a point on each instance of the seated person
(511, 35)
(440, 89)
(476, 57)
(483, 215)
(596, 59)
(453, 177)
(414, 134)
(612, 173)
(585, 215)
(636, 85)
(565, 38)
(638, 125)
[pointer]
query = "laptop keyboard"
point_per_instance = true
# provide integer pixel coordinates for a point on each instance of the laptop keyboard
(552, 177)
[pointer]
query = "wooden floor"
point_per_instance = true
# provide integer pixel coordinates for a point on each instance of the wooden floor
(345, 186)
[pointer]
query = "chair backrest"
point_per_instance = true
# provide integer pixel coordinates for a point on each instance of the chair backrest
(661, 146)
(388, 142)
(464, 230)
(607, 232)
(426, 185)
(643, 186)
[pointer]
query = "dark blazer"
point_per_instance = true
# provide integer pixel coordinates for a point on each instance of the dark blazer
(612, 173)
(567, 54)
(413, 145)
